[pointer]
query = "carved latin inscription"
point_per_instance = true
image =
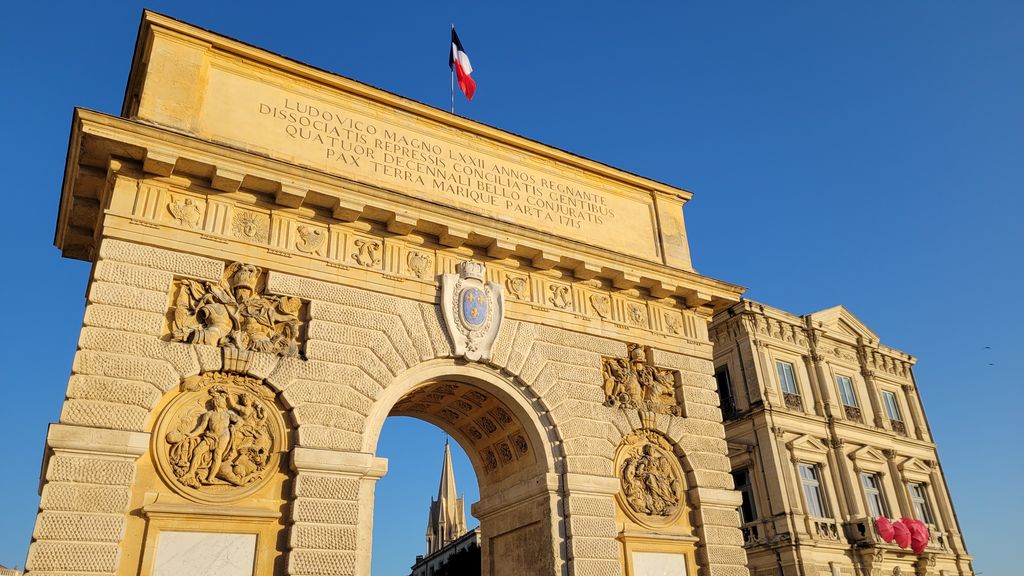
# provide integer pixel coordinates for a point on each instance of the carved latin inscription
(233, 314)
(633, 382)
(220, 438)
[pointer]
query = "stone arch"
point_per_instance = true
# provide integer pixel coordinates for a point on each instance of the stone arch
(521, 509)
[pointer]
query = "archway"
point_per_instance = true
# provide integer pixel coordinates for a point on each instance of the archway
(511, 452)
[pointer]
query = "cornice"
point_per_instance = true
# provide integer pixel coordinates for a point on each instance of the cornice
(101, 145)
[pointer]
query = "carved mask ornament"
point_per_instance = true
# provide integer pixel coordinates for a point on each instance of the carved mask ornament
(220, 439)
(472, 310)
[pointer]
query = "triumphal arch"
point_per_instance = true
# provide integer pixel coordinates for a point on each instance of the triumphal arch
(283, 258)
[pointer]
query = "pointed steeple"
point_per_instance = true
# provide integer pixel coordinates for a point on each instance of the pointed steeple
(447, 519)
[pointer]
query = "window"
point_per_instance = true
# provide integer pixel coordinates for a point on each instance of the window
(787, 378)
(846, 391)
(919, 500)
(725, 397)
(741, 479)
(810, 477)
(892, 407)
(873, 491)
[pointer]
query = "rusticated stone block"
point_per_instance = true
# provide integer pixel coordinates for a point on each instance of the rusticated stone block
(722, 536)
(72, 556)
(138, 276)
(328, 416)
(131, 392)
(325, 511)
(98, 414)
(591, 506)
(323, 537)
(157, 372)
(80, 527)
(65, 468)
(313, 436)
(326, 487)
(721, 555)
(83, 498)
(602, 548)
(305, 562)
(103, 316)
(128, 297)
(178, 263)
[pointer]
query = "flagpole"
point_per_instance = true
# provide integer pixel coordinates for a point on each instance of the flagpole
(453, 73)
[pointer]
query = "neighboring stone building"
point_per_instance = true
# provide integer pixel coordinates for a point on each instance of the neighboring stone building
(451, 549)
(283, 258)
(826, 432)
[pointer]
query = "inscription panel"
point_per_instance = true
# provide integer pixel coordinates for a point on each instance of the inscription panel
(344, 135)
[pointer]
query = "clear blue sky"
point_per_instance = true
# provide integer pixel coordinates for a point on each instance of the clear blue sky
(863, 153)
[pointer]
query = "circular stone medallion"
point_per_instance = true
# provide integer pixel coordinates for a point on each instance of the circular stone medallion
(651, 479)
(220, 439)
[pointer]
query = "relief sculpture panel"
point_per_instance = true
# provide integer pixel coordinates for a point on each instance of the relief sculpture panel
(633, 382)
(220, 438)
(233, 313)
(651, 479)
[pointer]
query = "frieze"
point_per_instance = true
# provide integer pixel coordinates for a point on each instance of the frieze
(634, 382)
(220, 438)
(234, 313)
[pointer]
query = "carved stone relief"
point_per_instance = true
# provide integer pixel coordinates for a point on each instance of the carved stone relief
(601, 304)
(419, 264)
(251, 226)
(633, 382)
(233, 313)
(186, 212)
(560, 296)
(311, 239)
(637, 314)
(220, 439)
(472, 310)
(674, 323)
(367, 253)
(517, 287)
(651, 479)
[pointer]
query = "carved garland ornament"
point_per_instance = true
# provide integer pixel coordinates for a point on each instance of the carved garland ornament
(220, 439)
(651, 479)
(633, 382)
(233, 314)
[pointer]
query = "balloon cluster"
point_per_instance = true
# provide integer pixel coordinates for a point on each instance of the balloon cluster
(906, 533)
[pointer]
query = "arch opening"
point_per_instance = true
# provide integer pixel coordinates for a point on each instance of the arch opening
(508, 448)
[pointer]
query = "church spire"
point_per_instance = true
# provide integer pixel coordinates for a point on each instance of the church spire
(447, 519)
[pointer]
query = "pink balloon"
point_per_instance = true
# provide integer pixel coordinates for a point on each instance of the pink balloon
(901, 534)
(918, 535)
(884, 527)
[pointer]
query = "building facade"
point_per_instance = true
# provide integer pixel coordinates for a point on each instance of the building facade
(283, 258)
(826, 432)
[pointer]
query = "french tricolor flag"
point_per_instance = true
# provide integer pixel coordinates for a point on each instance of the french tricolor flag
(458, 61)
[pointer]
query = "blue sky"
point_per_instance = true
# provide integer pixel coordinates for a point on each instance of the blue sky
(869, 154)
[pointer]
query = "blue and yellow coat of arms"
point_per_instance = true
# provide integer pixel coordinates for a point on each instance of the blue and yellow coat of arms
(472, 310)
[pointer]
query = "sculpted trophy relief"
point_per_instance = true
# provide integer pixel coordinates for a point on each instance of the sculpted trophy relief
(633, 382)
(220, 433)
(233, 314)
